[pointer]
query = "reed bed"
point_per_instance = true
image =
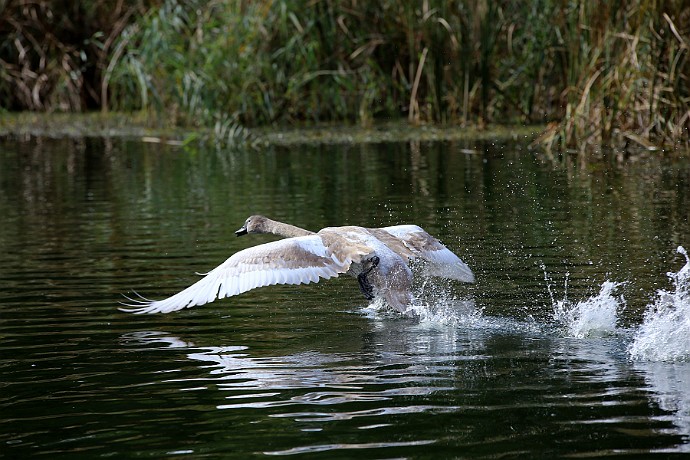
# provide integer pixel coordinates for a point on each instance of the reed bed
(613, 73)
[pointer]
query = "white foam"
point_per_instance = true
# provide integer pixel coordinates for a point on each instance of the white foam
(596, 316)
(435, 303)
(377, 307)
(452, 312)
(665, 332)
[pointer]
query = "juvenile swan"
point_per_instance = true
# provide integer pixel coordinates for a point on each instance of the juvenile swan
(377, 257)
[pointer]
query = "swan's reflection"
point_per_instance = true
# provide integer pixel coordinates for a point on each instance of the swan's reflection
(393, 361)
(400, 368)
(396, 361)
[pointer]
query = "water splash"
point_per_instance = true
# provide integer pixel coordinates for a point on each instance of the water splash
(665, 331)
(434, 303)
(596, 316)
(453, 312)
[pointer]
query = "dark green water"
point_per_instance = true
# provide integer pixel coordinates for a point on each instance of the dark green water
(307, 370)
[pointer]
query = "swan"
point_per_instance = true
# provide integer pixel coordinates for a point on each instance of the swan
(378, 257)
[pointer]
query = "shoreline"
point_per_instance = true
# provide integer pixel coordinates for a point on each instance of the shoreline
(136, 126)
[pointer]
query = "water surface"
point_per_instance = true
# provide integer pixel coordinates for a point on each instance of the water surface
(489, 370)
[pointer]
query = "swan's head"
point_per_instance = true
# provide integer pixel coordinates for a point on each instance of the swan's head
(253, 224)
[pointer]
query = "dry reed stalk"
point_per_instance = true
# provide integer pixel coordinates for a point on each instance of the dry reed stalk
(413, 111)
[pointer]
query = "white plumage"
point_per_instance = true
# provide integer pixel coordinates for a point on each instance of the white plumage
(378, 257)
(440, 260)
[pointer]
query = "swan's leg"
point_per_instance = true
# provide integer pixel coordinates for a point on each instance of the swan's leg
(366, 287)
(364, 284)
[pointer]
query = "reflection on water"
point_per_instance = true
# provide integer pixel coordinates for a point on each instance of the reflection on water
(413, 371)
(485, 372)
(669, 388)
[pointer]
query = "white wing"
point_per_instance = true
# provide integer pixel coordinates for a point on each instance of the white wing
(300, 260)
(441, 261)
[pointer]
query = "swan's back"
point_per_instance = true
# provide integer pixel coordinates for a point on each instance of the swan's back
(440, 261)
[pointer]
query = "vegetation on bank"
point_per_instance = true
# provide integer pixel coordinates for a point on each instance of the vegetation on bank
(27, 125)
(607, 73)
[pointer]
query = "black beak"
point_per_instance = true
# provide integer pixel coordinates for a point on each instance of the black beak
(241, 231)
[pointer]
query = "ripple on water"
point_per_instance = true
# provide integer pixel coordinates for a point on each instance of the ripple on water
(348, 446)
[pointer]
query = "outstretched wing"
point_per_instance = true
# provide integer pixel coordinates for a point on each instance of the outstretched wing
(440, 261)
(300, 260)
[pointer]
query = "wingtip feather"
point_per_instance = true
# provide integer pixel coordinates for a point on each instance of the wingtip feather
(138, 305)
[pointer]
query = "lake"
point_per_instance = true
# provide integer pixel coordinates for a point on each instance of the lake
(574, 341)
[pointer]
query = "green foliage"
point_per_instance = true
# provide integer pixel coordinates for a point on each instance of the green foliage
(610, 72)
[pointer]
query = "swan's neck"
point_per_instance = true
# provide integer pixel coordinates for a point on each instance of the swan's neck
(285, 230)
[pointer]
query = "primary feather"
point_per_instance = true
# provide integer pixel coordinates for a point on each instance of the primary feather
(300, 260)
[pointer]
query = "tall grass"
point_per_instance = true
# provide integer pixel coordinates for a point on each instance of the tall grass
(53, 52)
(626, 74)
(607, 73)
(295, 61)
